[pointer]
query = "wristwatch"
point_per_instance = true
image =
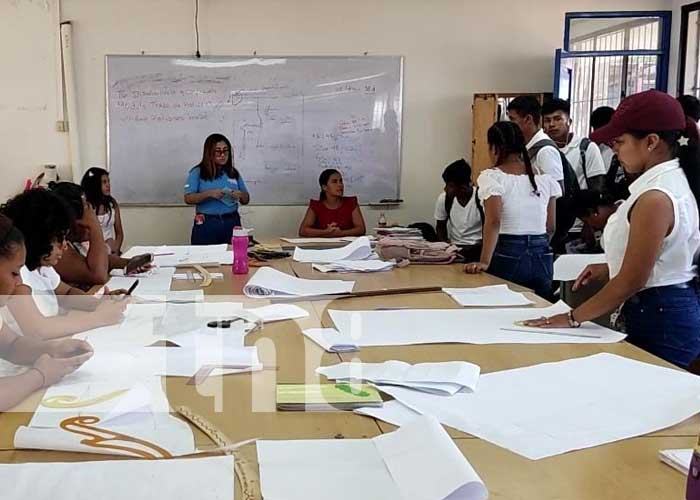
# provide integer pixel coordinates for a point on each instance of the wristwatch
(572, 321)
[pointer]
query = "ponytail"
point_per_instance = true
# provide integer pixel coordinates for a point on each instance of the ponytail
(508, 139)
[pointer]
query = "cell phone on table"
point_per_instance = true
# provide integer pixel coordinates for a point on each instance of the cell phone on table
(138, 262)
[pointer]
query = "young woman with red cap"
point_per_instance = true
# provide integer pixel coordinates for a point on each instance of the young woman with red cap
(652, 241)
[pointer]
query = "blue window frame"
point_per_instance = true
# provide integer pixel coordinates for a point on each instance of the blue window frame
(609, 55)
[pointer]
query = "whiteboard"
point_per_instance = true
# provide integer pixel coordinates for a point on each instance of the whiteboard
(288, 119)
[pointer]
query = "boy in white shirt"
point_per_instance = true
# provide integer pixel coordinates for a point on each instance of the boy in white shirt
(458, 212)
(583, 154)
(525, 112)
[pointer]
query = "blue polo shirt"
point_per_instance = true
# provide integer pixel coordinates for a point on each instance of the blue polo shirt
(212, 206)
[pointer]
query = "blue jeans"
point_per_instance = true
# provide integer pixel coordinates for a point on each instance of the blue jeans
(525, 260)
(214, 229)
(665, 321)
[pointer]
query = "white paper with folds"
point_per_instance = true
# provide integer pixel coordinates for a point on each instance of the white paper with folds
(268, 282)
(360, 249)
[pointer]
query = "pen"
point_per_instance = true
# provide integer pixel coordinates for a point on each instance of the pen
(132, 287)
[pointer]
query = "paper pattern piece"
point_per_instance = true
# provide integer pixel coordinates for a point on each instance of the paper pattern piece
(115, 480)
(569, 267)
(446, 378)
(553, 408)
(196, 276)
(360, 249)
(487, 296)
(184, 255)
(355, 266)
(279, 312)
(465, 326)
(417, 462)
(331, 339)
(154, 282)
(678, 459)
(269, 282)
(392, 412)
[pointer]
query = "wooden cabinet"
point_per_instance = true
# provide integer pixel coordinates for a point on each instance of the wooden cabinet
(486, 110)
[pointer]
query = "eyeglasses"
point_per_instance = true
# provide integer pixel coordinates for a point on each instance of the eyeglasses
(219, 152)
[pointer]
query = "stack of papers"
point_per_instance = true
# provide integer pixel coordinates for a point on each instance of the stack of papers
(154, 282)
(568, 267)
(326, 397)
(108, 480)
(465, 326)
(487, 296)
(355, 266)
(196, 276)
(268, 282)
(184, 255)
(360, 249)
(417, 462)
(553, 408)
(678, 459)
(331, 340)
(446, 378)
(402, 233)
(392, 412)
(301, 241)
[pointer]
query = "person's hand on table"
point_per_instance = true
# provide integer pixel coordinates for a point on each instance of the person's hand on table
(558, 321)
(68, 348)
(475, 267)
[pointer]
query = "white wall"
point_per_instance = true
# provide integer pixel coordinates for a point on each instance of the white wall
(452, 49)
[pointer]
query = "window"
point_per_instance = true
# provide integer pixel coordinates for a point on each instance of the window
(610, 55)
(689, 71)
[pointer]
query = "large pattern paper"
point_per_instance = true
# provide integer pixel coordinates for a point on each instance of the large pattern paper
(268, 282)
(553, 408)
(487, 296)
(360, 249)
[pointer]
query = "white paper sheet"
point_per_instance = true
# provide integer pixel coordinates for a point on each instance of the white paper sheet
(552, 408)
(196, 276)
(360, 249)
(268, 282)
(331, 339)
(355, 266)
(117, 480)
(678, 459)
(466, 326)
(158, 282)
(445, 378)
(417, 462)
(569, 267)
(487, 296)
(185, 362)
(162, 430)
(392, 412)
(181, 255)
(344, 239)
(279, 312)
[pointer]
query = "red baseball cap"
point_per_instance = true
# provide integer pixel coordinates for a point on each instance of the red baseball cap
(649, 111)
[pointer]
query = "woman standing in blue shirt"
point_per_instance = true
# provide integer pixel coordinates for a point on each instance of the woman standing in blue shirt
(216, 188)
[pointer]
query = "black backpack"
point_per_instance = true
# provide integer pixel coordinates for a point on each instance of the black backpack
(565, 205)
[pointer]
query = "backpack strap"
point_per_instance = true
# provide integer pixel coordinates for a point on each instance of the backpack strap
(449, 201)
(582, 148)
(479, 206)
(539, 145)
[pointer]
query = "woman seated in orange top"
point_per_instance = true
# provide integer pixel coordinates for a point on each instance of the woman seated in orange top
(333, 215)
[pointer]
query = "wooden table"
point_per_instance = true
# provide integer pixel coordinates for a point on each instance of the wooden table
(243, 405)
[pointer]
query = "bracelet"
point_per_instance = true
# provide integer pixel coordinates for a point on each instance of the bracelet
(572, 321)
(43, 377)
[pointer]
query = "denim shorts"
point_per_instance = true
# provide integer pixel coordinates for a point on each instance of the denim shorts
(525, 260)
(665, 321)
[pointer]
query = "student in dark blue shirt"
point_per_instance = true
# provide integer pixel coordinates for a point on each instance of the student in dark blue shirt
(217, 189)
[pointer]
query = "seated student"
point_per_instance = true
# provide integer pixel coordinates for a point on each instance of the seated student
(44, 220)
(525, 112)
(50, 361)
(582, 153)
(332, 215)
(458, 211)
(86, 260)
(616, 179)
(520, 214)
(97, 190)
(594, 209)
(691, 107)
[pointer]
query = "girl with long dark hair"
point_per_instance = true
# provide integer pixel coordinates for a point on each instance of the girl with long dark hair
(98, 193)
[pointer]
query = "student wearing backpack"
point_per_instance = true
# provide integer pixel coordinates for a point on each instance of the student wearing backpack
(582, 153)
(519, 206)
(525, 111)
(459, 215)
(616, 179)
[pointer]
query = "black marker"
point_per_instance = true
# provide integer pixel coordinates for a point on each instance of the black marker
(133, 287)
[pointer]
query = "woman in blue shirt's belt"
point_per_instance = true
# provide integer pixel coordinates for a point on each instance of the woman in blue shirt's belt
(216, 188)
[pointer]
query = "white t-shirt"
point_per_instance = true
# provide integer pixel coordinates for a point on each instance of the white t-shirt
(463, 224)
(43, 281)
(107, 224)
(523, 212)
(675, 263)
(547, 160)
(607, 153)
(594, 160)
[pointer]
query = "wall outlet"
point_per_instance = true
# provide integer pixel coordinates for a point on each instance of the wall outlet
(61, 126)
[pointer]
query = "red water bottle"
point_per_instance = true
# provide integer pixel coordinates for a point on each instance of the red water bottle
(239, 243)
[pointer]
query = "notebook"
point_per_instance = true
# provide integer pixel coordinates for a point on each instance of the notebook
(326, 397)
